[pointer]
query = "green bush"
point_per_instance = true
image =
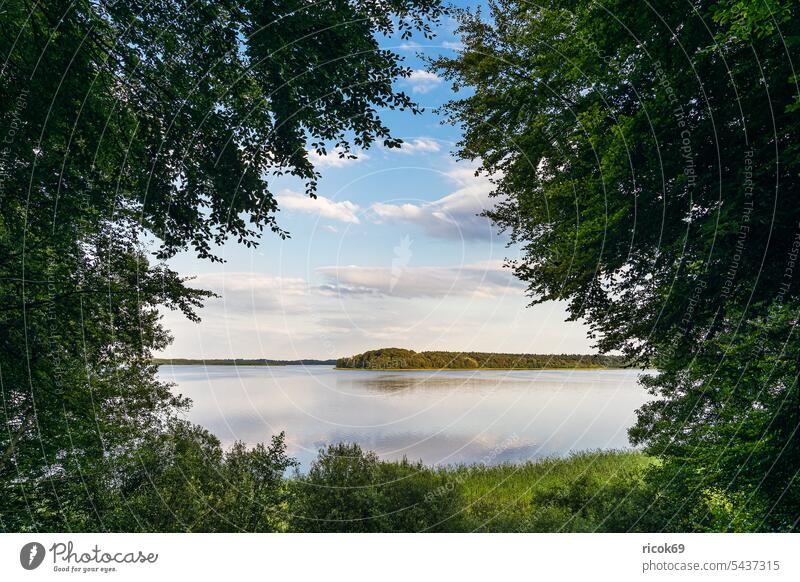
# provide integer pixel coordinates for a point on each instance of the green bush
(337, 494)
(350, 490)
(416, 498)
(182, 480)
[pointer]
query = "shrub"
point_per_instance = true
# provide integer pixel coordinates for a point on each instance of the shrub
(338, 493)
(350, 490)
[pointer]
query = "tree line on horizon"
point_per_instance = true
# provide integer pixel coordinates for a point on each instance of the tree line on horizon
(398, 358)
(239, 362)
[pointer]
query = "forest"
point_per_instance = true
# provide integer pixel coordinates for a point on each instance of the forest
(239, 362)
(401, 359)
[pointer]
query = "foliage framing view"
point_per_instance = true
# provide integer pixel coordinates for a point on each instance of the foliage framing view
(123, 121)
(647, 163)
(645, 160)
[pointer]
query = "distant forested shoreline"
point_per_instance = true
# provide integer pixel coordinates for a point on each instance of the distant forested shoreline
(402, 359)
(239, 362)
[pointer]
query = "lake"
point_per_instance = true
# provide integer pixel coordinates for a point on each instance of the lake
(442, 417)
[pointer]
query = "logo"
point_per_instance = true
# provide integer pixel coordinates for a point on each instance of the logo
(31, 555)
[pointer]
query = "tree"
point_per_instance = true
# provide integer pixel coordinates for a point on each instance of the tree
(130, 122)
(646, 163)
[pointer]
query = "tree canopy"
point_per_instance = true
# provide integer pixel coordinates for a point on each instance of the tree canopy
(133, 129)
(646, 163)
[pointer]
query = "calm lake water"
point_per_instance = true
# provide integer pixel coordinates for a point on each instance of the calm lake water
(441, 417)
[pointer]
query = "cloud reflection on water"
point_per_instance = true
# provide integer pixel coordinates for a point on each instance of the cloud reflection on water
(441, 417)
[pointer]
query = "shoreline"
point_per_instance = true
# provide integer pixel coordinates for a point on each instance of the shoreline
(471, 369)
(201, 363)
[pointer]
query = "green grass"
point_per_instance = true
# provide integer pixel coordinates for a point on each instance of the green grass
(348, 489)
(600, 491)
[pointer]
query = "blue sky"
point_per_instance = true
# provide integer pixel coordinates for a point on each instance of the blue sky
(390, 254)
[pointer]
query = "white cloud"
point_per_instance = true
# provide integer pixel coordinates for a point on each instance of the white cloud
(344, 211)
(410, 46)
(248, 292)
(425, 145)
(475, 307)
(334, 159)
(453, 216)
(456, 46)
(487, 279)
(423, 81)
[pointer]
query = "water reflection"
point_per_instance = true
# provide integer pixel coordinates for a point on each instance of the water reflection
(406, 381)
(445, 417)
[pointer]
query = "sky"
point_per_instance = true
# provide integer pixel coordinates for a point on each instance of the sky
(392, 253)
